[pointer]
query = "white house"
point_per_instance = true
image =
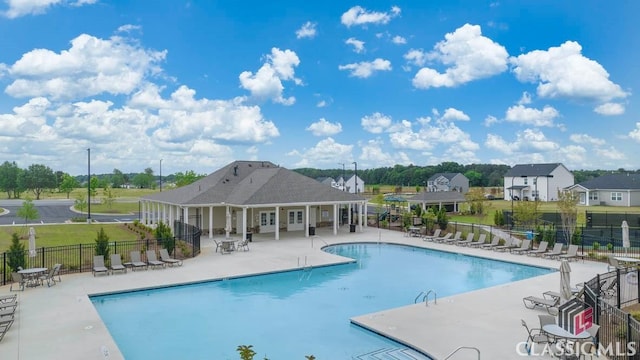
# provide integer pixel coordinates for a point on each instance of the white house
(448, 182)
(611, 190)
(536, 181)
(354, 185)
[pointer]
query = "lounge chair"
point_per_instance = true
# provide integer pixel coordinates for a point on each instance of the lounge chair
(468, 240)
(431, 237)
(443, 238)
(524, 247)
(98, 265)
(153, 261)
(136, 261)
(535, 336)
(116, 264)
(244, 245)
(164, 256)
(542, 248)
(555, 252)
(8, 305)
(457, 237)
(531, 302)
(8, 298)
(7, 313)
(17, 278)
(572, 253)
(218, 244)
(511, 243)
(48, 277)
(5, 325)
(481, 240)
(495, 242)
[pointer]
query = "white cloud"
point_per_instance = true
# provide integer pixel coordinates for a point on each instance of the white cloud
(490, 120)
(496, 142)
(610, 109)
(531, 116)
(323, 127)
(525, 99)
(376, 123)
(399, 40)
(374, 155)
(308, 30)
(586, 139)
(90, 67)
(326, 152)
(129, 28)
(358, 46)
(358, 15)
(635, 133)
(365, 69)
(468, 55)
(416, 57)
(452, 114)
(527, 142)
(321, 103)
(610, 153)
(563, 72)
(18, 8)
(267, 82)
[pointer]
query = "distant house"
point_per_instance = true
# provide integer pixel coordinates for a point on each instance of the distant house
(448, 182)
(450, 200)
(329, 181)
(611, 190)
(536, 181)
(354, 185)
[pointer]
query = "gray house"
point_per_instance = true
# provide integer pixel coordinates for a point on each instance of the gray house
(611, 190)
(256, 196)
(448, 182)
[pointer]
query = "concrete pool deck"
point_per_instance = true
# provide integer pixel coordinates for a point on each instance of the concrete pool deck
(61, 323)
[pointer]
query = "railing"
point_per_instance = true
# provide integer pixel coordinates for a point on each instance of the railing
(463, 348)
(425, 297)
(316, 237)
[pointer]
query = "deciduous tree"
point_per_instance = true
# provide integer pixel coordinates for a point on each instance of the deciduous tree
(568, 207)
(38, 178)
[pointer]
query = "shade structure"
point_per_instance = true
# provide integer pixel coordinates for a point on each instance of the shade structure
(626, 243)
(32, 242)
(565, 281)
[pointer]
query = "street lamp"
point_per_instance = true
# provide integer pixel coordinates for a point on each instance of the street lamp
(160, 175)
(356, 176)
(344, 188)
(89, 185)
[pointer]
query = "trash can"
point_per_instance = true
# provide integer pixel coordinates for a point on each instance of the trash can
(312, 230)
(249, 236)
(352, 227)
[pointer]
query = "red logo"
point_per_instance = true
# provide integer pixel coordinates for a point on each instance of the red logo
(583, 320)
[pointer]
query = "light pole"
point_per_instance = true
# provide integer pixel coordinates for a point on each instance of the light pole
(89, 185)
(160, 175)
(356, 176)
(344, 188)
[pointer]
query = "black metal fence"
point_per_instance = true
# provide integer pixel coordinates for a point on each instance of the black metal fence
(79, 258)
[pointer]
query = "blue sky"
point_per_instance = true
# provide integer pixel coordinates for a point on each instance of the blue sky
(199, 84)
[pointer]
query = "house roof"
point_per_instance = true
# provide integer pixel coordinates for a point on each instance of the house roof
(532, 170)
(613, 181)
(253, 183)
(438, 196)
(449, 176)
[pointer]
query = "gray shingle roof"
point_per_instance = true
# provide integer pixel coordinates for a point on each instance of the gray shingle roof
(253, 183)
(532, 170)
(613, 182)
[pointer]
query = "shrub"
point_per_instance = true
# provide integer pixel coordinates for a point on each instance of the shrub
(163, 234)
(16, 253)
(498, 218)
(102, 244)
(595, 246)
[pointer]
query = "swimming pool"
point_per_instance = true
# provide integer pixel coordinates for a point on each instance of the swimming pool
(291, 314)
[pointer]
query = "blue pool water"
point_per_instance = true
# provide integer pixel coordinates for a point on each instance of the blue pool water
(288, 315)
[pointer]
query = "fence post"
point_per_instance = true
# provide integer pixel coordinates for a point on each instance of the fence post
(4, 268)
(43, 249)
(618, 288)
(80, 257)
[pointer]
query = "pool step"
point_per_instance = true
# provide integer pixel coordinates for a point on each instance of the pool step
(392, 354)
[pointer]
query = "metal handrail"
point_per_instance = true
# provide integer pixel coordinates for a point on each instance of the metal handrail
(425, 297)
(463, 348)
(319, 238)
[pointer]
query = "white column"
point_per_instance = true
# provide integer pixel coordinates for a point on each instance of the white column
(335, 219)
(277, 222)
(360, 216)
(349, 213)
(306, 221)
(244, 223)
(171, 218)
(143, 211)
(366, 215)
(210, 222)
(185, 214)
(227, 215)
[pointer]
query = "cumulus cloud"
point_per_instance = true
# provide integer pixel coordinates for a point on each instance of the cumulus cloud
(586, 139)
(365, 69)
(308, 30)
(358, 46)
(325, 152)
(376, 123)
(610, 153)
(525, 99)
(452, 114)
(266, 83)
(635, 133)
(563, 72)
(18, 8)
(358, 15)
(323, 127)
(467, 55)
(527, 141)
(373, 154)
(416, 57)
(610, 109)
(490, 120)
(399, 40)
(531, 116)
(91, 66)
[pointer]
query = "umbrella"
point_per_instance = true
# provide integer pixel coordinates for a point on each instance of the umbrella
(227, 227)
(565, 281)
(32, 242)
(626, 243)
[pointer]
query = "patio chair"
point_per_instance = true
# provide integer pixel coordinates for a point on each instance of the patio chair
(442, 238)
(572, 253)
(218, 244)
(153, 261)
(56, 272)
(481, 240)
(8, 298)
(116, 264)
(509, 244)
(468, 240)
(48, 277)
(590, 347)
(555, 252)
(495, 242)
(136, 261)
(98, 265)
(244, 245)
(535, 336)
(5, 325)
(17, 278)
(542, 248)
(532, 302)
(454, 239)
(614, 264)
(164, 256)
(431, 237)
(524, 247)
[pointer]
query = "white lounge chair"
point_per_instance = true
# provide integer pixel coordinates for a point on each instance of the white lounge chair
(98, 265)
(153, 261)
(136, 260)
(542, 248)
(116, 264)
(164, 256)
(524, 247)
(572, 253)
(495, 242)
(555, 252)
(479, 242)
(454, 239)
(551, 305)
(431, 237)
(468, 240)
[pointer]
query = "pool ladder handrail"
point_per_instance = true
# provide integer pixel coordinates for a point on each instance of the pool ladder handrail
(319, 238)
(463, 348)
(425, 298)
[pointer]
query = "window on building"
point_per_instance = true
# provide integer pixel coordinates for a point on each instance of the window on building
(616, 196)
(593, 195)
(526, 181)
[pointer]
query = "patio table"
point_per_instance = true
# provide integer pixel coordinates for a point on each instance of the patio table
(32, 275)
